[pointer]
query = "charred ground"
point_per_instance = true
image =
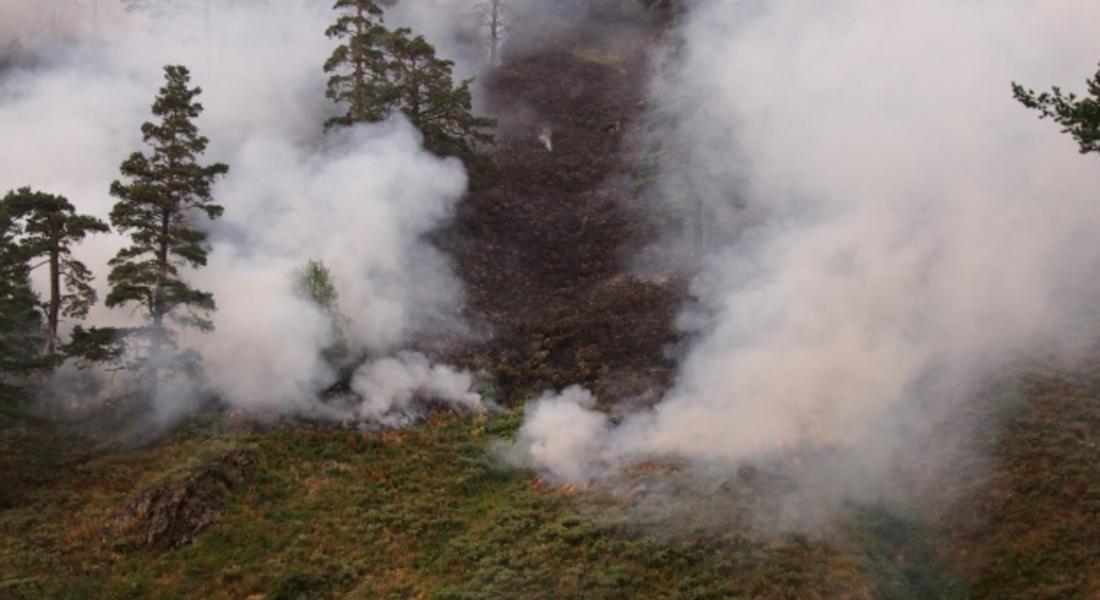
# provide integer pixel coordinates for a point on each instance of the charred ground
(543, 240)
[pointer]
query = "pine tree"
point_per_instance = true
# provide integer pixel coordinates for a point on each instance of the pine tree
(423, 89)
(20, 319)
(99, 345)
(355, 65)
(165, 192)
(1079, 117)
(377, 72)
(50, 229)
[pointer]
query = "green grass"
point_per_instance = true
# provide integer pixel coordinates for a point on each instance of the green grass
(426, 513)
(431, 512)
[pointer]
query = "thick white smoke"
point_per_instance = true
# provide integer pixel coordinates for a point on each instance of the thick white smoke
(361, 201)
(563, 435)
(391, 385)
(895, 227)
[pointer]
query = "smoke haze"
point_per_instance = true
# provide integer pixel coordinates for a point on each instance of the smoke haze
(881, 227)
(41, 23)
(885, 227)
(361, 200)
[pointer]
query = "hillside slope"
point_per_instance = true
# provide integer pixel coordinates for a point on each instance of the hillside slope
(426, 513)
(224, 508)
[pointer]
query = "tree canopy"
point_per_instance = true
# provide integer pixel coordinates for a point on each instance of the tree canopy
(375, 72)
(160, 198)
(51, 227)
(21, 333)
(421, 87)
(1078, 116)
(355, 63)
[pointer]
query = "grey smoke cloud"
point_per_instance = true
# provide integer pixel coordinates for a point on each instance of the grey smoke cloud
(886, 228)
(361, 200)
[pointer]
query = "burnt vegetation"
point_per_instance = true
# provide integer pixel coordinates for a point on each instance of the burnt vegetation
(542, 241)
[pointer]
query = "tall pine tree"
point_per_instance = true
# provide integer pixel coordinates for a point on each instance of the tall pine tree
(159, 204)
(51, 227)
(356, 63)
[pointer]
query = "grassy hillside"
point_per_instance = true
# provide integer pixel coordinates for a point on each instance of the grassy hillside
(433, 512)
(1025, 522)
(424, 513)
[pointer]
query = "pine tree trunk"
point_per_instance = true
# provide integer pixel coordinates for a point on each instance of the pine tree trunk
(53, 317)
(494, 31)
(157, 343)
(358, 110)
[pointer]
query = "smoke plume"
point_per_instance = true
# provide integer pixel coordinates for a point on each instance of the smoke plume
(881, 227)
(562, 435)
(361, 200)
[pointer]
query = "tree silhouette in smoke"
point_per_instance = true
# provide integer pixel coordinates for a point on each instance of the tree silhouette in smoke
(51, 226)
(163, 194)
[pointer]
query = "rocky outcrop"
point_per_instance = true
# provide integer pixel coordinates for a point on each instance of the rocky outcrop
(172, 513)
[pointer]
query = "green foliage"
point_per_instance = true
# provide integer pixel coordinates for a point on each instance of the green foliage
(375, 72)
(314, 282)
(21, 334)
(164, 192)
(104, 345)
(51, 227)
(1079, 117)
(421, 86)
(355, 63)
(425, 513)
